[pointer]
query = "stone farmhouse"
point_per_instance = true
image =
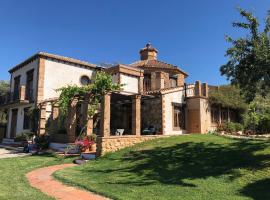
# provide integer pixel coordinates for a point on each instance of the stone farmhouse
(154, 100)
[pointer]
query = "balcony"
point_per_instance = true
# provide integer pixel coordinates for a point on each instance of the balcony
(19, 96)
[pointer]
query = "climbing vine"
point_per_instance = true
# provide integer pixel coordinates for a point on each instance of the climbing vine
(102, 84)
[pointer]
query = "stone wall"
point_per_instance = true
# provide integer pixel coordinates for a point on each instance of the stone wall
(114, 143)
(151, 113)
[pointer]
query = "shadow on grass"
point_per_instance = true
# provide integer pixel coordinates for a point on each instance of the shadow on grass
(171, 165)
(259, 190)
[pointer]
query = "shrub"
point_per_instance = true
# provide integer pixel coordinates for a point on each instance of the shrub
(42, 141)
(232, 127)
(24, 136)
(257, 118)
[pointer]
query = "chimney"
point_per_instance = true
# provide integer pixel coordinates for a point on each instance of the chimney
(148, 52)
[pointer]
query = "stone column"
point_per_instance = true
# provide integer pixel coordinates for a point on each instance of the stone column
(219, 113)
(141, 84)
(22, 93)
(42, 119)
(84, 110)
(180, 80)
(160, 82)
(89, 128)
(55, 111)
(198, 88)
(229, 117)
(71, 122)
(105, 120)
(136, 115)
(205, 89)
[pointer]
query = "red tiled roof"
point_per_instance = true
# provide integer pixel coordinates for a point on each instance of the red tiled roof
(156, 64)
(53, 56)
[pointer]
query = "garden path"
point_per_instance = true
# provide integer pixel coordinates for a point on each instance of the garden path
(42, 179)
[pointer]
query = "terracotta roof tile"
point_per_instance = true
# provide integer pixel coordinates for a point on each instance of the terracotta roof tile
(156, 64)
(52, 56)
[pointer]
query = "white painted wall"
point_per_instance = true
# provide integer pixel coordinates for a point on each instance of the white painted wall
(131, 83)
(174, 97)
(20, 119)
(22, 72)
(59, 74)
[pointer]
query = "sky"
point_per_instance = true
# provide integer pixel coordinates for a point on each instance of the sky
(187, 33)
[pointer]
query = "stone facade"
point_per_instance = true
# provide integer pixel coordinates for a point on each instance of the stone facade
(114, 143)
(152, 114)
(154, 95)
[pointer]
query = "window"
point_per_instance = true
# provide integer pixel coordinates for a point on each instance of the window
(27, 119)
(29, 85)
(173, 82)
(214, 114)
(178, 117)
(16, 88)
(224, 115)
(85, 80)
(147, 82)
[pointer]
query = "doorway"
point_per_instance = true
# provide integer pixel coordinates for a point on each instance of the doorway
(13, 126)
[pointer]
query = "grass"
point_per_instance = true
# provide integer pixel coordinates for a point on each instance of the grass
(13, 183)
(185, 167)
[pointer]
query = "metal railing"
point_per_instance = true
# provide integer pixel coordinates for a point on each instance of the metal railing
(9, 97)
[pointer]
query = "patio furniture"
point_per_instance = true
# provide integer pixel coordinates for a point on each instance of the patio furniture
(119, 132)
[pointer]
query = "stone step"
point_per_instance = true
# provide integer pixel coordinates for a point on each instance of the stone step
(7, 141)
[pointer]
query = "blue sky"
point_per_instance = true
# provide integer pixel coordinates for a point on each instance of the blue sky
(189, 34)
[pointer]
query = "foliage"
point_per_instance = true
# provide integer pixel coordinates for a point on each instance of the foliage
(257, 117)
(102, 84)
(24, 137)
(3, 117)
(42, 141)
(68, 93)
(231, 127)
(249, 58)
(4, 87)
(227, 96)
(179, 168)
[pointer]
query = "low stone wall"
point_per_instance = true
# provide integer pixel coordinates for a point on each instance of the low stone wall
(114, 143)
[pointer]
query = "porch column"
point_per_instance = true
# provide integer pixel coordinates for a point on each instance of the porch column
(22, 93)
(42, 119)
(229, 118)
(55, 111)
(89, 128)
(141, 84)
(71, 120)
(105, 120)
(136, 115)
(84, 110)
(219, 113)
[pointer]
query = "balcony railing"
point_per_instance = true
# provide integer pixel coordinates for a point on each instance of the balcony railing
(17, 96)
(9, 97)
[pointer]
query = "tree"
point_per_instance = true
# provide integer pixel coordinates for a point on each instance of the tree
(4, 87)
(249, 58)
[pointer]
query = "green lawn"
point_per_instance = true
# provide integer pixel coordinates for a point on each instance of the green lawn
(13, 183)
(184, 167)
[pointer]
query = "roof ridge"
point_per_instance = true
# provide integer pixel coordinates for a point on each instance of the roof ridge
(53, 56)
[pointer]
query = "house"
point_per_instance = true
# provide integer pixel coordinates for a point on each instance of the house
(154, 99)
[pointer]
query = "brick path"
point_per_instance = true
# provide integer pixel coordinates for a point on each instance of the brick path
(42, 180)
